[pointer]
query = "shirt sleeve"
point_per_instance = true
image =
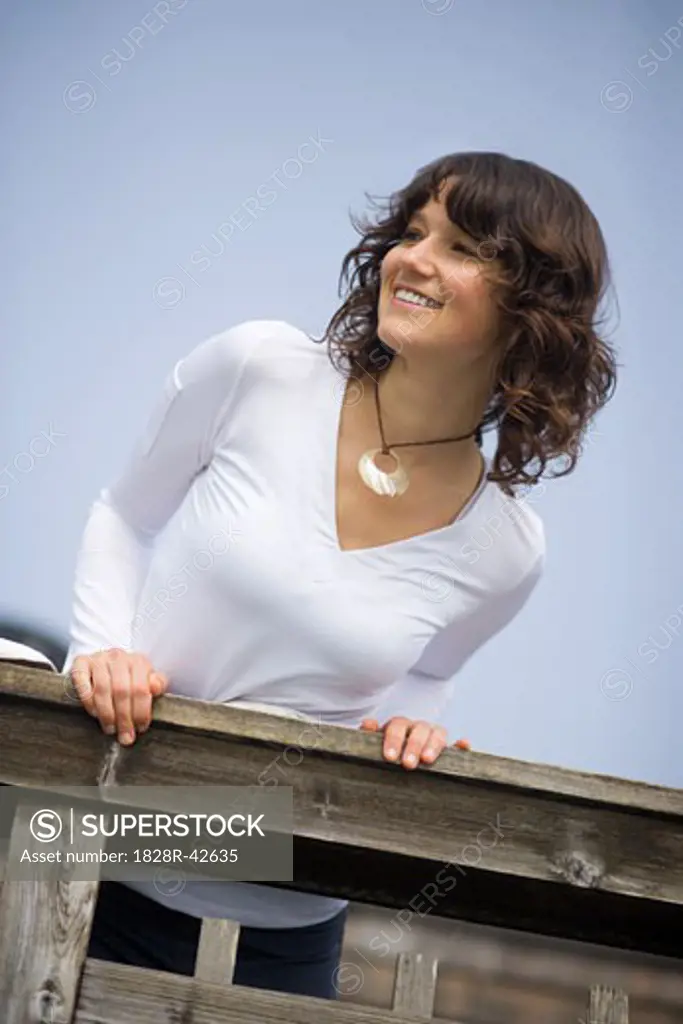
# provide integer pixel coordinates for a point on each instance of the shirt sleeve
(426, 690)
(175, 445)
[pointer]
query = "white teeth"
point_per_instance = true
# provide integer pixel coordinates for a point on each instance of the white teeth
(408, 296)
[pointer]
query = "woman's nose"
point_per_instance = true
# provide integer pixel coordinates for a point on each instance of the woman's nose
(419, 257)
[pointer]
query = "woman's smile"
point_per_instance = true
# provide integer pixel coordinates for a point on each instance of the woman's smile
(412, 298)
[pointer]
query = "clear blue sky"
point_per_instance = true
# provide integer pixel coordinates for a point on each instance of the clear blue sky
(134, 131)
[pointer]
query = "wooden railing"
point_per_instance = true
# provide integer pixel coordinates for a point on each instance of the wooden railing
(526, 846)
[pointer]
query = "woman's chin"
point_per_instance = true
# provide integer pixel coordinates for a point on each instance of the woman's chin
(396, 330)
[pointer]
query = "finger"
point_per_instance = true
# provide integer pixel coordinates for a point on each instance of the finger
(102, 695)
(158, 684)
(82, 682)
(395, 732)
(463, 744)
(370, 724)
(436, 741)
(120, 673)
(140, 695)
(417, 740)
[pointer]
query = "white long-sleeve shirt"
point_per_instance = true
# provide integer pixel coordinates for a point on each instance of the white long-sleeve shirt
(216, 554)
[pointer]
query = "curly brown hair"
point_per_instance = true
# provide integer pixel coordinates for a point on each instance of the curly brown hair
(556, 371)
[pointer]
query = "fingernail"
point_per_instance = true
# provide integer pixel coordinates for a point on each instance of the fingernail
(393, 754)
(127, 738)
(428, 754)
(410, 759)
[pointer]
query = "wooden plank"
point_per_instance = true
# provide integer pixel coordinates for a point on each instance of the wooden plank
(518, 856)
(415, 986)
(217, 951)
(607, 1006)
(222, 720)
(522, 959)
(44, 929)
(129, 995)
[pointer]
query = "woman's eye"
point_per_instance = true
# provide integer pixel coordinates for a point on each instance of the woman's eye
(412, 235)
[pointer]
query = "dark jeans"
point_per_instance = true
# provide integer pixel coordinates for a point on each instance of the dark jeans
(130, 928)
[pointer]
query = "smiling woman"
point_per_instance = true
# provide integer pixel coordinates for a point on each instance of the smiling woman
(471, 304)
(515, 265)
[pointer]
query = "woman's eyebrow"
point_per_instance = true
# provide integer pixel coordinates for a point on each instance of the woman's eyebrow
(418, 215)
(460, 234)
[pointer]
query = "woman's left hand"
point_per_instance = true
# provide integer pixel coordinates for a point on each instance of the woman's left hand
(408, 741)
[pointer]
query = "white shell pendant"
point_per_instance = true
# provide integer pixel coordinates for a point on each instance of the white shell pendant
(387, 484)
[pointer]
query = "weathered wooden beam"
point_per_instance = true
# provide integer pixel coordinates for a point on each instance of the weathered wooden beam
(129, 995)
(607, 1006)
(529, 847)
(211, 718)
(411, 887)
(217, 950)
(414, 986)
(44, 931)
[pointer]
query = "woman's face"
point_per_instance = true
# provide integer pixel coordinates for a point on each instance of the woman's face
(436, 288)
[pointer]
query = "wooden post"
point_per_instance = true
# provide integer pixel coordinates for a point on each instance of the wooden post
(44, 931)
(607, 1006)
(217, 951)
(414, 986)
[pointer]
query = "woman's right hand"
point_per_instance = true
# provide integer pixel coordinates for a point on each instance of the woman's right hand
(117, 687)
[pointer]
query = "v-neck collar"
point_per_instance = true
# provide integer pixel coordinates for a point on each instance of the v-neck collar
(331, 397)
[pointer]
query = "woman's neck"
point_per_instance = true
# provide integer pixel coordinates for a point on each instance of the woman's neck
(426, 403)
